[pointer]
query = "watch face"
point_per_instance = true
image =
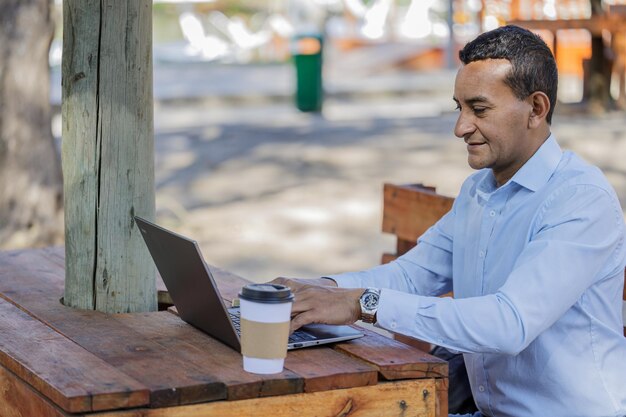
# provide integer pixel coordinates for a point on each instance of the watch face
(370, 300)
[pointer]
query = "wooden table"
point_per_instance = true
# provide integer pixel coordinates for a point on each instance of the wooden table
(57, 361)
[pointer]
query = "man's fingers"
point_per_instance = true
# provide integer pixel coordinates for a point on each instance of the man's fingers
(314, 304)
(295, 284)
(281, 281)
(300, 320)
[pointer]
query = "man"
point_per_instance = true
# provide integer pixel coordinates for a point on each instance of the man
(533, 249)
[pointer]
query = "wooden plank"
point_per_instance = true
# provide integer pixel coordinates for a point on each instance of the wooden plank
(325, 369)
(393, 359)
(409, 210)
(416, 343)
(32, 280)
(415, 398)
(18, 399)
(71, 377)
(190, 344)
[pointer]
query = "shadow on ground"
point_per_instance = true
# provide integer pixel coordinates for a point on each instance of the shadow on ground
(269, 191)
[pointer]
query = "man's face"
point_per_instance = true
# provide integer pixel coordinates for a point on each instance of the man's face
(493, 122)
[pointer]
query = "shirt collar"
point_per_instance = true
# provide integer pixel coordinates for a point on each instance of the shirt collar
(539, 168)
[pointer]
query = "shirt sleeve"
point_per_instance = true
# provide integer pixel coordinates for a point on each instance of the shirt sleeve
(426, 269)
(577, 240)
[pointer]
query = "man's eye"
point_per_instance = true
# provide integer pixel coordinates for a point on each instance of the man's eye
(458, 107)
(478, 110)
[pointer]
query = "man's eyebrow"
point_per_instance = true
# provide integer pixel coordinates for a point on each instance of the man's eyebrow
(474, 100)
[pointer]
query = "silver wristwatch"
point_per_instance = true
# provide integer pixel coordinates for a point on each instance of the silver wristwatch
(369, 305)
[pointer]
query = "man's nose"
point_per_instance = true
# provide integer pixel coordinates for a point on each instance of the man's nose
(463, 126)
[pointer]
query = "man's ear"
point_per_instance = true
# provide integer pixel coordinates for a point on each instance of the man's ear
(540, 106)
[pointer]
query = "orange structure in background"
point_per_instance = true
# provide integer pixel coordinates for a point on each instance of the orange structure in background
(574, 44)
(574, 47)
(589, 46)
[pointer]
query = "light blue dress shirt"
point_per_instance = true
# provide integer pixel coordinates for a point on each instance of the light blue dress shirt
(537, 269)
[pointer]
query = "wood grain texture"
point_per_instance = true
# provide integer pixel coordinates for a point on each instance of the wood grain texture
(313, 370)
(409, 210)
(18, 399)
(394, 360)
(180, 365)
(80, 150)
(34, 281)
(108, 154)
(67, 374)
(209, 355)
(323, 369)
(416, 398)
(442, 385)
(416, 343)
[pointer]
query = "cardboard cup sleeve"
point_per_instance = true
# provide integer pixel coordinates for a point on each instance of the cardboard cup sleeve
(264, 340)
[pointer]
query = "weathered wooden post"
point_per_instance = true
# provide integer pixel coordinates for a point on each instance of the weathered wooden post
(107, 153)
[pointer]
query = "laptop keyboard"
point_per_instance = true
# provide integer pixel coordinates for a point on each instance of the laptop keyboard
(295, 337)
(300, 336)
(236, 319)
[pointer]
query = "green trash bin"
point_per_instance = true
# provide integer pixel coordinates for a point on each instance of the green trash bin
(307, 57)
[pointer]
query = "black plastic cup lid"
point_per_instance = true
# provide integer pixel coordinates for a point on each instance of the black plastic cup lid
(266, 293)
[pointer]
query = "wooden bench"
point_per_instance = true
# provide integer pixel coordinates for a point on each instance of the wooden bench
(408, 211)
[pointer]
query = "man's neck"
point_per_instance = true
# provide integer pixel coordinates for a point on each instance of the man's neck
(539, 140)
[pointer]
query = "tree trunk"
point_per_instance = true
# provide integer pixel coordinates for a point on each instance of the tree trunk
(108, 153)
(30, 172)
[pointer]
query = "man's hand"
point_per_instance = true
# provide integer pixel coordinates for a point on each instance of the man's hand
(320, 301)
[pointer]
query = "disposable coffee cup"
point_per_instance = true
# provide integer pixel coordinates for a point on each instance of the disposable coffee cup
(265, 315)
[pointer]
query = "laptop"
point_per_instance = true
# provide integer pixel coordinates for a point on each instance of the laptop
(192, 288)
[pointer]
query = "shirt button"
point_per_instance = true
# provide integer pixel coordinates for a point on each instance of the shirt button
(492, 213)
(481, 253)
(393, 325)
(481, 388)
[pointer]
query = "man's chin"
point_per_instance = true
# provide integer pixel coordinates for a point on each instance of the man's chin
(475, 164)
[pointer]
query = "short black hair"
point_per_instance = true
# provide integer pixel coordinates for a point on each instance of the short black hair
(533, 67)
